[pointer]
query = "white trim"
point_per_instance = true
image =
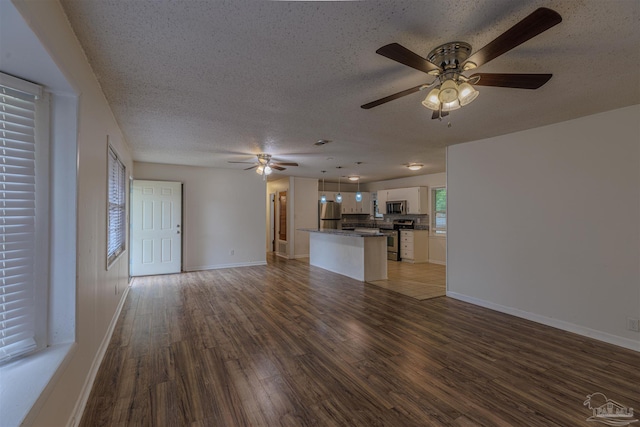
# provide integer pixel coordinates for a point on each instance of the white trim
(301, 256)
(555, 323)
(219, 266)
(81, 403)
(433, 261)
(36, 372)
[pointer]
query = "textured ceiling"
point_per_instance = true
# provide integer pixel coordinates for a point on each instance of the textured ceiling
(207, 82)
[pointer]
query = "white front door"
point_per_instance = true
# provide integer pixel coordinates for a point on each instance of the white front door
(156, 227)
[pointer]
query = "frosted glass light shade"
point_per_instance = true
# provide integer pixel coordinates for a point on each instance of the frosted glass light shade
(467, 93)
(323, 199)
(431, 101)
(450, 106)
(448, 91)
(267, 170)
(259, 170)
(339, 198)
(358, 196)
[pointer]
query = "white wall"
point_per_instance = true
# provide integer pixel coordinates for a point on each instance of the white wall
(223, 211)
(98, 291)
(545, 224)
(305, 213)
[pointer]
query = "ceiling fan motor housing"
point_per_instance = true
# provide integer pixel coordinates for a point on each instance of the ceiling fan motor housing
(450, 56)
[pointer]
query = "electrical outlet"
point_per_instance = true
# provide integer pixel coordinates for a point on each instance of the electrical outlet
(633, 324)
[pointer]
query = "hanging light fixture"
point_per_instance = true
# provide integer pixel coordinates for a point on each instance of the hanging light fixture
(339, 196)
(358, 194)
(323, 198)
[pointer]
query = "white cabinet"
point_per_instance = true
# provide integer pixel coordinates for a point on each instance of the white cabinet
(348, 203)
(364, 207)
(417, 200)
(414, 245)
(330, 195)
(351, 206)
(382, 201)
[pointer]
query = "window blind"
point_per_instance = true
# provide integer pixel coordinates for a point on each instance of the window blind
(116, 215)
(17, 222)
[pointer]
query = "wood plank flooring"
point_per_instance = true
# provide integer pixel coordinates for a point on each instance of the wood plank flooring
(420, 281)
(293, 345)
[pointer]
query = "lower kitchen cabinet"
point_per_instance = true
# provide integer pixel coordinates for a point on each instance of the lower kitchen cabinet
(414, 245)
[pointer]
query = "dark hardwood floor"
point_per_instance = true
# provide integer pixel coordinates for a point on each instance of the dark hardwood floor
(292, 345)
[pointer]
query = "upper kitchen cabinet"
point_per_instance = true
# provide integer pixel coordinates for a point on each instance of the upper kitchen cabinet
(351, 206)
(330, 195)
(364, 206)
(417, 200)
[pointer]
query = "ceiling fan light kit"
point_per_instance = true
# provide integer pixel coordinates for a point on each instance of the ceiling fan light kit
(448, 61)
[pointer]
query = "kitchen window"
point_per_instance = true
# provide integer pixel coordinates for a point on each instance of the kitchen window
(116, 210)
(439, 212)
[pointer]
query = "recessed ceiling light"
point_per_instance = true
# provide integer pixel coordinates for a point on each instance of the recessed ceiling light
(354, 178)
(415, 166)
(322, 142)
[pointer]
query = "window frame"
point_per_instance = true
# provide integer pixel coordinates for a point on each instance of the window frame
(120, 205)
(438, 231)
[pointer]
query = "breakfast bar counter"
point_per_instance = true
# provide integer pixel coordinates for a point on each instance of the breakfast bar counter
(359, 255)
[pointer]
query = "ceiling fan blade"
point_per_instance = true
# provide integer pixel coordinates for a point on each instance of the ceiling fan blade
(276, 167)
(391, 97)
(283, 164)
(404, 56)
(252, 167)
(250, 163)
(519, 81)
(439, 114)
(539, 21)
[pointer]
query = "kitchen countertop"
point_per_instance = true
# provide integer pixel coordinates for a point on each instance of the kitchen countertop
(344, 232)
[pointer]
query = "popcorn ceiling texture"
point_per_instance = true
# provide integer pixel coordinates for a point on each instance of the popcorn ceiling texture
(204, 82)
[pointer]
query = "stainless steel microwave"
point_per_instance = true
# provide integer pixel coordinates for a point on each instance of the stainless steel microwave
(396, 207)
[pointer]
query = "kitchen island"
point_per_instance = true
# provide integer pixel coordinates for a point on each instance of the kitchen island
(356, 254)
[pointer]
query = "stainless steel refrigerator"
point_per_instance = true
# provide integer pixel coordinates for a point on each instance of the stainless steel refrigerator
(329, 214)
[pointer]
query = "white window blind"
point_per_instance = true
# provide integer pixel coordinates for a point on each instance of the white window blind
(17, 222)
(116, 215)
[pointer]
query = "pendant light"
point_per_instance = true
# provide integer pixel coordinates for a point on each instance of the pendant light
(323, 198)
(339, 196)
(358, 194)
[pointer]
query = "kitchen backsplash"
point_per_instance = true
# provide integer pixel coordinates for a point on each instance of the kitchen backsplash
(421, 222)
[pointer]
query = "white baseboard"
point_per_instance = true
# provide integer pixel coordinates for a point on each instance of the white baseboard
(301, 256)
(76, 414)
(218, 266)
(434, 261)
(555, 323)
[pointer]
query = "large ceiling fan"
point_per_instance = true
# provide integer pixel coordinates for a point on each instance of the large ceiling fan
(266, 164)
(449, 61)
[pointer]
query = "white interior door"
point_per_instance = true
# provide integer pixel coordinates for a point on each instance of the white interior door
(156, 227)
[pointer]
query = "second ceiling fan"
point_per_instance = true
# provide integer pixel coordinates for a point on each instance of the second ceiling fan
(447, 62)
(266, 164)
